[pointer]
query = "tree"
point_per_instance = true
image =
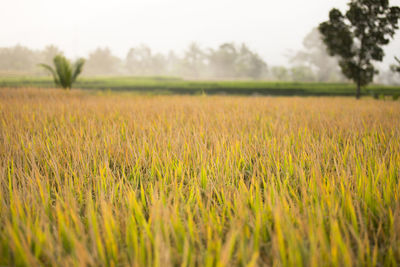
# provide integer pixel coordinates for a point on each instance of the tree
(222, 61)
(357, 37)
(139, 60)
(302, 74)
(249, 64)
(315, 56)
(18, 58)
(46, 56)
(102, 62)
(158, 64)
(280, 73)
(48, 53)
(173, 64)
(64, 73)
(194, 61)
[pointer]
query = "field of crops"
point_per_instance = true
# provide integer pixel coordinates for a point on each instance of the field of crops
(141, 180)
(170, 85)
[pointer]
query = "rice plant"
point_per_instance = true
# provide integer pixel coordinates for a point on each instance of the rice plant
(130, 180)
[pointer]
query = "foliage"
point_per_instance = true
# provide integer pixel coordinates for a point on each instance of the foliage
(236, 62)
(222, 60)
(138, 60)
(119, 180)
(280, 73)
(315, 56)
(250, 64)
(194, 62)
(64, 73)
(102, 62)
(396, 68)
(302, 73)
(357, 37)
(17, 58)
(48, 53)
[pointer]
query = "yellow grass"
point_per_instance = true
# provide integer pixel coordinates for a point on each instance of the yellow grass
(110, 180)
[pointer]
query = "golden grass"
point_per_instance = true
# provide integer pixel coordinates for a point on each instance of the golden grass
(107, 180)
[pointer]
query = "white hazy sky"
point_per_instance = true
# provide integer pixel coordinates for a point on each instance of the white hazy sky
(271, 27)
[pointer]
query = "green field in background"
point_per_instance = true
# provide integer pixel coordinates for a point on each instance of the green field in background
(171, 85)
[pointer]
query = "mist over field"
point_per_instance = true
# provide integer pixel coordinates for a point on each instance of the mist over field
(194, 40)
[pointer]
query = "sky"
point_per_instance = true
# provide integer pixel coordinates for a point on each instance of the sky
(272, 28)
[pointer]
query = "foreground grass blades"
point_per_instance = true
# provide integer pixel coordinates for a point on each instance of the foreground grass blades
(90, 180)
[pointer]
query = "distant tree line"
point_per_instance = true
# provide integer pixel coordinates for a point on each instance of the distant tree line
(228, 61)
(24, 61)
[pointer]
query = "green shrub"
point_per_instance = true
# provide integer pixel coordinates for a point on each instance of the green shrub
(64, 73)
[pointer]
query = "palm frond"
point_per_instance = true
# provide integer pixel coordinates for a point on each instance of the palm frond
(63, 70)
(78, 66)
(64, 73)
(53, 73)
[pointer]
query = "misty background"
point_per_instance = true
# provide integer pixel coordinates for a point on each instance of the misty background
(272, 40)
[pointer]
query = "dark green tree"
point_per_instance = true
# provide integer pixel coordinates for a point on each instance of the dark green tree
(64, 73)
(357, 37)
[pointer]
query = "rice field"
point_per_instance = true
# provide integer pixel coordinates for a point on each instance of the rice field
(140, 180)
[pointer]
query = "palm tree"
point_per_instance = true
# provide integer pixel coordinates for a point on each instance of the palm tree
(64, 73)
